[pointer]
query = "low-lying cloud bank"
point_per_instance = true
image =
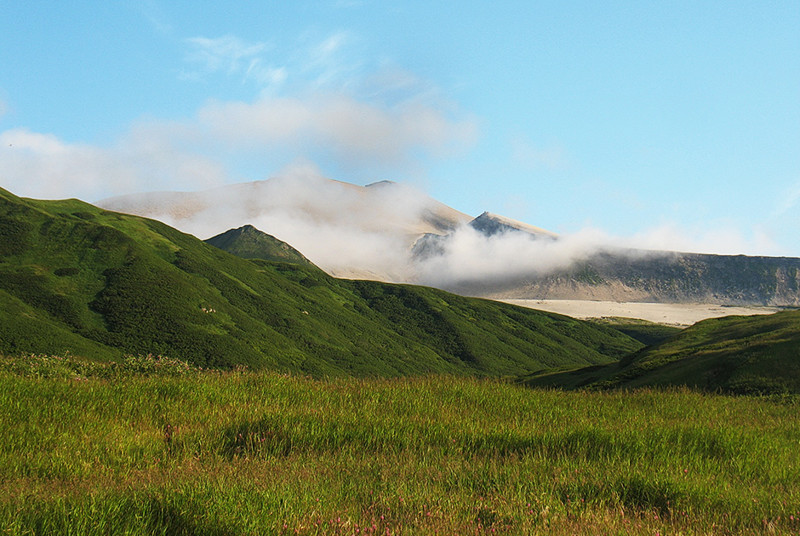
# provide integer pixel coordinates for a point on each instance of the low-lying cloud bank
(346, 229)
(468, 256)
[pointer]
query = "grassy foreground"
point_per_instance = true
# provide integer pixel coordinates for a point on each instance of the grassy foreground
(157, 447)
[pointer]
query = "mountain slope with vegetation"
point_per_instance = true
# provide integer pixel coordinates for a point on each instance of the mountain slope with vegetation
(75, 278)
(736, 354)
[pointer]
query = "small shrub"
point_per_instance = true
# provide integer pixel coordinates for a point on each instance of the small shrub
(62, 272)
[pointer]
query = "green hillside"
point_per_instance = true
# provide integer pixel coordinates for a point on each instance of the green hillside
(75, 278)
(250, 243)
(737, 354)
(644, 331)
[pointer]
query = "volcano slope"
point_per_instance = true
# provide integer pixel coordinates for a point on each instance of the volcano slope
(75, 278)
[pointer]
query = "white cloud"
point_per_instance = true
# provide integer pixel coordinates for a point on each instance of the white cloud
(333, 63)
(330, 46)
(42, 166)
(350, 131)
(314, 107)
(391, 84)
(335, 111)
(339, 227)
(468, 256)
(321, 64)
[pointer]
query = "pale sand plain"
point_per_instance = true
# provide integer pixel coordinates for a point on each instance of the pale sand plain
(672, 314)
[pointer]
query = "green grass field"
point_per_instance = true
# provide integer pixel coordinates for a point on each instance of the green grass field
(157, 447)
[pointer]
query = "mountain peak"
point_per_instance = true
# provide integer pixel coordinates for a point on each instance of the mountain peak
(491, 224)
(252, 243)
(248, 229)
(381, 184)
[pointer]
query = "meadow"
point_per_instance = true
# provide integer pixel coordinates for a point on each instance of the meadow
(157, 446)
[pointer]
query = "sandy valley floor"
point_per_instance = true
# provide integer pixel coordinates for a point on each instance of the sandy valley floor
(663, 313)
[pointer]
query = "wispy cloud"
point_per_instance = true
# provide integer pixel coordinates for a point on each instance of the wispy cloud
(232, 56)
(228, 53)
(152, 12)
(720, 237)
(311, 64)
(329, 63)
(339, 227)
(330, 46)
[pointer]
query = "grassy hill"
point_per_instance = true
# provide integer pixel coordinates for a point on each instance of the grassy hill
(250, 243)
(75, 278)
(753, 354)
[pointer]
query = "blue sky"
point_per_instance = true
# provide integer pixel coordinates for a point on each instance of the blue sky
(665, 124)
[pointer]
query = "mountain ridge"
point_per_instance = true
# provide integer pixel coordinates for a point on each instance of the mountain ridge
(387, 232)
(77, 278)
(666, 277)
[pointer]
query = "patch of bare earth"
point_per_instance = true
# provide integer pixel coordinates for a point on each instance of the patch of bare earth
(672, 314)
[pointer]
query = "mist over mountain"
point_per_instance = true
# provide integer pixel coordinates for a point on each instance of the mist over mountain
(349, 231)
(388, 231)
(666, 277)
(493, 257)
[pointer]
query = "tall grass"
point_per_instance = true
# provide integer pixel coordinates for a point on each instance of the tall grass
(194, 452)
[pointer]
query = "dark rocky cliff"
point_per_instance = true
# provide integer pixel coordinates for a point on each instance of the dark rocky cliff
(666, 277)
